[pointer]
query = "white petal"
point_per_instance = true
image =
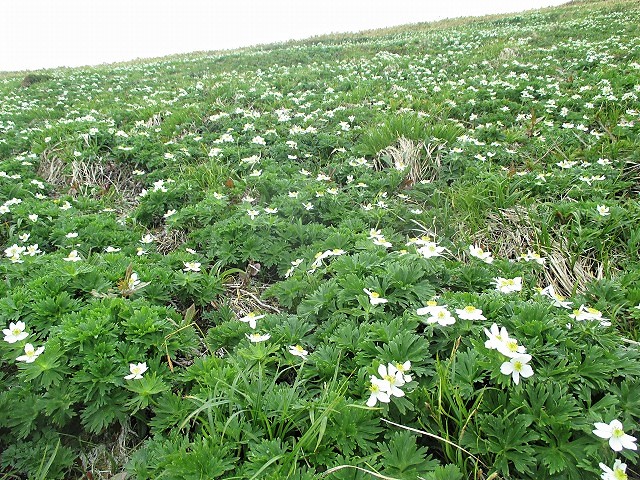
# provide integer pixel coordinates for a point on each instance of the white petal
(506, 368)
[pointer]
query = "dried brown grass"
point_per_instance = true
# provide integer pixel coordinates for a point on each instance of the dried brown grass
(422, 160)
(513, 231)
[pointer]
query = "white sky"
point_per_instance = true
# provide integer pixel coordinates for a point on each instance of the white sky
(48, 33)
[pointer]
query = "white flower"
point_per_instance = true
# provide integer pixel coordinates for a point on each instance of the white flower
(508, 285)
(148, 238)
(133, 281)
(111, 249)
(294, 265)
(298, 351)
(169, 213)
(191, 266)
(253, 213)
(509, 347)
(33, 217)
(558, 300)
(470, 313)
(496, 336)
(374, 297)
(251, 319)
(618, 472)
(137, 370)
(14, 251)
(378, 389)
(256, 337)
(270, 211)
(479, 253)
(517, 367)
(30, 353)
(442, 317)
(15, 332)
(66, 206)
(431, 249)
(566, 163)
(532, 257)
(613, 431)
(588, 313)
(394, 378)
(24, 237)
(431, 309)
(258, 140)
(381, 241)
(72, 257)
(403, 368)
(603, 210)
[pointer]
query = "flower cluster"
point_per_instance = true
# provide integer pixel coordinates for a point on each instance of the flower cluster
(378, 239)
(479, 253)
(508, 285)
(517, 365)
(587, 313)
(442, 316)
(392, 377)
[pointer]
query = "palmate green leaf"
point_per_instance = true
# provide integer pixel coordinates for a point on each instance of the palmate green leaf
(402, 458)
(169, 411)
(324, 297)
(546, 405)
(51, 308)
(97, 416)
(203, 458)
(445, 472)
(265, 459)
(352, 431)
(49, 368)
(467, 372)
(21, 411)
(562, 452)
(406, 346)
(629, 400)
(59, 403)
(508, 440)
(145, 388)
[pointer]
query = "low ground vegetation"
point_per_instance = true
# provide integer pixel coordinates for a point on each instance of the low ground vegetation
(406, 255)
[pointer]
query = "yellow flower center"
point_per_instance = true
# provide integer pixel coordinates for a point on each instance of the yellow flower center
(517, 365)
(620, 475)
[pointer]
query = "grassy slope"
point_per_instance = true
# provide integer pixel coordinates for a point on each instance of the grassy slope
(514, 130)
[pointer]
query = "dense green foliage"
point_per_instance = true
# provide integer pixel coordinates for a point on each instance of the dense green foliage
(297, 261)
